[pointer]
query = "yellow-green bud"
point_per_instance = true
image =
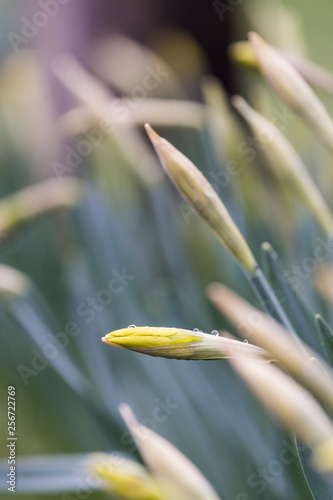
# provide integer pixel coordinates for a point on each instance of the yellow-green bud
(177, 343)
(242, 54)
(178, 475)
(125, 478)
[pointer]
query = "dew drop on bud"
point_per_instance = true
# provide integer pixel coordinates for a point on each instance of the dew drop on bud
(132, 326)
(245, 341)
(214, 332)
(196, 330)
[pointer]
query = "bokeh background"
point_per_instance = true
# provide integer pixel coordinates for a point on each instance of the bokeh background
(129, 223)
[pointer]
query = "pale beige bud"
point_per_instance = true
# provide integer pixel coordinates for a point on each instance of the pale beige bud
(199, 193)
(242, 54)
(293, 406)
(291, 87)
(302, 363)
(36, 200)
(13, 283)
(285, 163)
(170, 467)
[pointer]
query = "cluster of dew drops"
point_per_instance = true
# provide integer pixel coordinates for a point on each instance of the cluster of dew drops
(213, 332)
(134, 326)
(216, 333)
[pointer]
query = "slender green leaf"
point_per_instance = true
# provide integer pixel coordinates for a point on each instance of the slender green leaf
(293, 305)
(321, 488)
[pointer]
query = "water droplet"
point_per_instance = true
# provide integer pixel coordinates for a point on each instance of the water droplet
(214, 332)
(132, 326)
(196, 330)
(245, 341)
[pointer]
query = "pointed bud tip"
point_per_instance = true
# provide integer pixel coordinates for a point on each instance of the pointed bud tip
(213, 289)
(127, 415)
(266, 246)
(153, 136)
(123, 408)
(254, 38)
(237, 101)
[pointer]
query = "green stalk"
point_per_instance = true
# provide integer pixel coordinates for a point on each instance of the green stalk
(268, 300)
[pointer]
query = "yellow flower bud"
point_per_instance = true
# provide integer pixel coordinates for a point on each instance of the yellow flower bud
(177, 343)
(242, 54)
(125, 478)
(178, 475)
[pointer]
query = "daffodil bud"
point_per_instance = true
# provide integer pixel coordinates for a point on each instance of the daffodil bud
(125, 478)
(159, 112)
(300, 360)
(313, 73)
(322, 458)
(285, 162)
(291, 87)
(323, 281)
(178, 475)
(293, 406)
(199, 193)
(177, 343)
(13, 283)
(242, 53)
(38, 199)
